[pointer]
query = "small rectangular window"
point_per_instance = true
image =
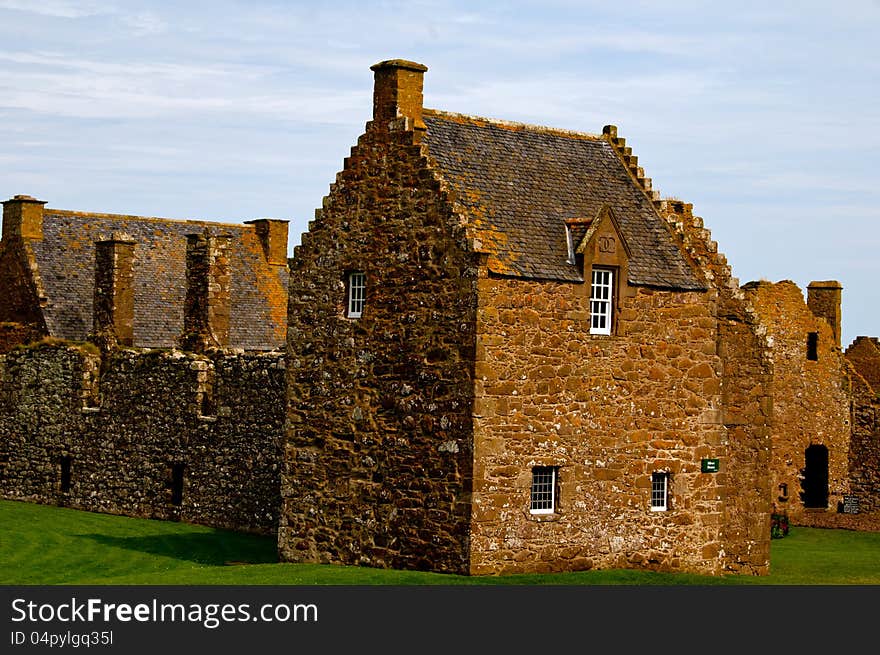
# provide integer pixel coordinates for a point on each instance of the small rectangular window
(659, 492)
(813, 346)
(601, 298)
(543, 495)
(357, 294)
(66, 464)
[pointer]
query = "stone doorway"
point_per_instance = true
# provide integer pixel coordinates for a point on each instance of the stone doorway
(815, 482)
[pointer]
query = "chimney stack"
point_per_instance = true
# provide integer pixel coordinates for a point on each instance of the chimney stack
(397, 92)
(823, 299)
(272, 233)
(113, 308)
(208, 294)
(23, 217)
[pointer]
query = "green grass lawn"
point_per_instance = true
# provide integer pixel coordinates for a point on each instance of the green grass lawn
(44, 545)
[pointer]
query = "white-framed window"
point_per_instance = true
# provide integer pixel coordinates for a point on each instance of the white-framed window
(356, 287)
(543, 494)
(659, 491)
(601, 297)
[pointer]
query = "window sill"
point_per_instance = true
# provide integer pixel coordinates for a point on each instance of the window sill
(544, 518)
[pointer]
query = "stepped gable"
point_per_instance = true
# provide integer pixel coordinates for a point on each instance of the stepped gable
(65, 257)
(518, 185)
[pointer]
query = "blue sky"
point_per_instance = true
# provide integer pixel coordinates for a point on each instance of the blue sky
(765, 116)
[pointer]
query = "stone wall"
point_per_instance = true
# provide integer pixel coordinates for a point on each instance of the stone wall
(20, 319)
(811, 406)
(608, 412)
(864, 354)
(864, 450)
(746, 398)
(379, 438)
(17, 334)
(215, 421)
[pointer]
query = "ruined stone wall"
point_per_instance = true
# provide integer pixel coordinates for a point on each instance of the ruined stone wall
(17, 334)
(811, 407)
(864, 354)
(217, 418)
(864, 450)
(608, 411)
(379, 440)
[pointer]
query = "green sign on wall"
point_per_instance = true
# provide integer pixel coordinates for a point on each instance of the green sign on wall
(709, 465)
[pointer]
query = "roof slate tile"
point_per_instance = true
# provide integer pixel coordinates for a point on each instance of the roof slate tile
(518, 184)
(66, 260)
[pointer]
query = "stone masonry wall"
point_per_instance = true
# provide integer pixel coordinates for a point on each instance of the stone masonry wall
(746, 397)
(864, 354)
(608, 411)
(864, 450)
(379, 438)
(811, 407)
(20, 319)
(217, 419)
(746, 364)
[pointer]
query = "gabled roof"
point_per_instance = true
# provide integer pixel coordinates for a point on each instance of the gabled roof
(518, 184)
(65, 259)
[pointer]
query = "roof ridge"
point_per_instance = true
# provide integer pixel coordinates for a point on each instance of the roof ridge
(510, 125)
(157, 219)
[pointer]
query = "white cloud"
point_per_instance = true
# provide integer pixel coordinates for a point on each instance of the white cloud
(145, 23)
(57, 8)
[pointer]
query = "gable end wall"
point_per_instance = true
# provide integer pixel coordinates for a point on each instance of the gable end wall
(379, 440)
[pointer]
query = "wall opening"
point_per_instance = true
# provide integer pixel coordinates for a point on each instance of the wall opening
(813, 346)
(65, 478)
(207, 406)
(815, 482)
(177, 475)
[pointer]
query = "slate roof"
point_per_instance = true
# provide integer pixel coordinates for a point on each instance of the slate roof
(66, 262)
(519, 183)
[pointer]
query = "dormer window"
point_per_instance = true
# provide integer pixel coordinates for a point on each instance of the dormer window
(601, 301)
(356, 291)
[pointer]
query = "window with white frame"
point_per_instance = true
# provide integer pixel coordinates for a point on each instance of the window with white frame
(357, 293)
(543, 495)
(601, 296)
(659, 491)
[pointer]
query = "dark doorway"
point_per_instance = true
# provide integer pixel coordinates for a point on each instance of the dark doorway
(815, 483)
(177, 483)
(66, 461)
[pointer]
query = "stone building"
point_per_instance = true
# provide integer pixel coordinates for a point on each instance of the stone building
(811, 401)
(143, 372)
(506, 353)
(496, 350)
(863, 366)
(826, 441)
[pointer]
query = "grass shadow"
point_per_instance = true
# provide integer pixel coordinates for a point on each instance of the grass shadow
(209, 549)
